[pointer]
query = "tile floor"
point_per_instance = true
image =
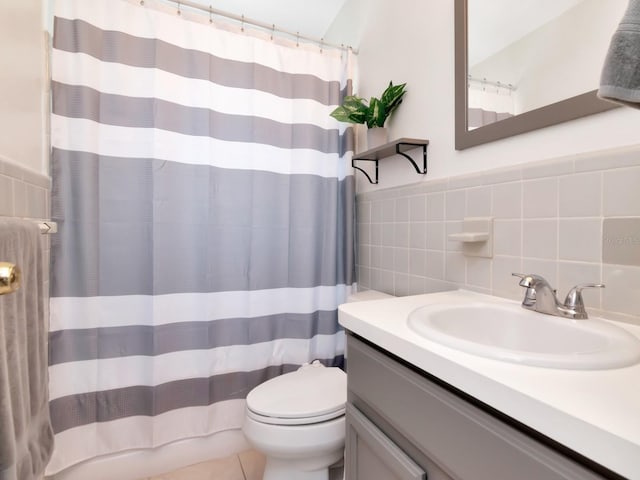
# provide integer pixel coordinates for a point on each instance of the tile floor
(247, 465)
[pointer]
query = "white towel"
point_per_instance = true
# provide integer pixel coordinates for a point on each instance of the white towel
(26, 437)
(620, 79)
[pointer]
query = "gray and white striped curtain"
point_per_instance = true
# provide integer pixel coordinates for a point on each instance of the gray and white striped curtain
(205, 202)
(488, 103)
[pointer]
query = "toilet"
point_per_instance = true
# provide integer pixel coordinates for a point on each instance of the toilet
(297, 419)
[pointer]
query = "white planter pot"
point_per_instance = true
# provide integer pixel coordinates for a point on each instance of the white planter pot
(376, 137)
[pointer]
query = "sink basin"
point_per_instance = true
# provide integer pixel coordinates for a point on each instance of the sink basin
(510, 333)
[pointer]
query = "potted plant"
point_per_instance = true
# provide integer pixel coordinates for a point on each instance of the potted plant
(373, 113)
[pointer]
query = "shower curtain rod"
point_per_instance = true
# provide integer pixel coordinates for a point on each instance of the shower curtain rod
(269, 27)
(484, 81)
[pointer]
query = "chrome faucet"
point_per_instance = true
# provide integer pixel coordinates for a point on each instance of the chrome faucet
(540, 297)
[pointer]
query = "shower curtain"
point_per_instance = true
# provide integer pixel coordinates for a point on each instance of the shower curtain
(205, 204)
(488, 104)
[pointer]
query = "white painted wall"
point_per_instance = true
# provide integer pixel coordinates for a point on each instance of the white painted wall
(413, 41)
(310, 18)
(23, 85)
(502, 22)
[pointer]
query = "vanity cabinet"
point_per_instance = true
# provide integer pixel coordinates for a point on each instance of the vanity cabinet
(401, 424)
(373, 456)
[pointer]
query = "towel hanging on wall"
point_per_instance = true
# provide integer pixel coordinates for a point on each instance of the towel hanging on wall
(26, 437)
(620, 78)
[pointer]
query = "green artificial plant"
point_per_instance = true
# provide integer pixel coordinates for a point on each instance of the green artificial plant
(374, 112)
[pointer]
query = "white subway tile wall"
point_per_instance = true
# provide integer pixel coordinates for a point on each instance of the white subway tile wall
(540, 198)
(548, 220)
(507, 200)
(580, 195)
(621, 193)
(23, 193)
(6, 196)
(623, 286)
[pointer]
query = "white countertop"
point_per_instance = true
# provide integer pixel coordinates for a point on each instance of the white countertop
(593, 412)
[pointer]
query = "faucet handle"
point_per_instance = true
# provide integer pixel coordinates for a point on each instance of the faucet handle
(530, 280)
(574, 297)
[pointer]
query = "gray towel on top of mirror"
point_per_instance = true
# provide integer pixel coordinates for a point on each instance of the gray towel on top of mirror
(620, 78)
(26, 437)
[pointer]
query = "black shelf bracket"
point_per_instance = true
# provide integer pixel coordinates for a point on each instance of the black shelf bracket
(424, 155)
(397, 147)
(363, 171)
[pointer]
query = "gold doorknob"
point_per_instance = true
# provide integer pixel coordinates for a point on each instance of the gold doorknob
(10, 277)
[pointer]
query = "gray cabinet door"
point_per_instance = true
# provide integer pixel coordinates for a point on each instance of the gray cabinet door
(464, 441)
(371, 455)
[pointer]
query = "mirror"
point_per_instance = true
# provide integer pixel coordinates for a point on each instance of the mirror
(514, 84)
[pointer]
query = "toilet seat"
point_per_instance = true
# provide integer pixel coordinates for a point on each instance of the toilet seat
(312, 394)
(295, 421)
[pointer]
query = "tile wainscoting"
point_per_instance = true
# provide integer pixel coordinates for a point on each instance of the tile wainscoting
(23, 193)
(548, 219)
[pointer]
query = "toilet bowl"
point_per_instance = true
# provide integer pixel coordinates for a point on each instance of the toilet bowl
(297, 419)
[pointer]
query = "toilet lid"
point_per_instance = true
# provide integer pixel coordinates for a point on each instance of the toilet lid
(311, 394)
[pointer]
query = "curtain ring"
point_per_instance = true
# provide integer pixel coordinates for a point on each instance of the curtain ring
(179, 12)
(321, 44)
(210, 14)
(273, 29)
(242, 24)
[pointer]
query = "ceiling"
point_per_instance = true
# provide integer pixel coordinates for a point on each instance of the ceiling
(497, 22)
(311, 18)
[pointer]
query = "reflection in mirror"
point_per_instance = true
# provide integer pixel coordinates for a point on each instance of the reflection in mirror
(528, 64)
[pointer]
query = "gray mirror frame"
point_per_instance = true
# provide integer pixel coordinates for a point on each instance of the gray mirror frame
(569, 109)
